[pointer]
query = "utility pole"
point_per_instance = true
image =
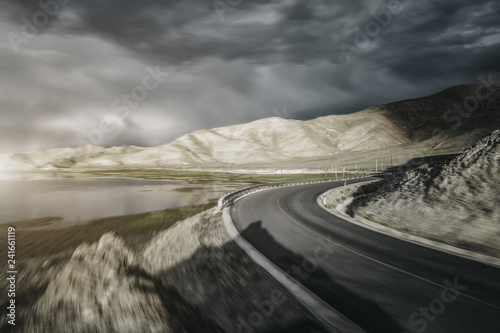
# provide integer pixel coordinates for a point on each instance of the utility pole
(376, 165)
(392, 168)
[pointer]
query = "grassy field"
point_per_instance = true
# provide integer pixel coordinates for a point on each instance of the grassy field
(206, 176)
(135, 229)
(36, 238)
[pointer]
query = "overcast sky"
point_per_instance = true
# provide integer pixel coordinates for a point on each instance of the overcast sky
(117, 72)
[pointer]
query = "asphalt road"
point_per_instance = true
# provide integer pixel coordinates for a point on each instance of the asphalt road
(379, 282)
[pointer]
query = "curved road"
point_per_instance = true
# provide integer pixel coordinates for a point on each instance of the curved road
(379, 282)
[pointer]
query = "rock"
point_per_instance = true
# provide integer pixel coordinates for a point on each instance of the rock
(100, 289)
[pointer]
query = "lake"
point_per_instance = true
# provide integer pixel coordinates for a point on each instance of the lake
(82, 199)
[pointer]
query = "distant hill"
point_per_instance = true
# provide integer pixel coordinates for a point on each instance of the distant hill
(466, 112)
(444, 122)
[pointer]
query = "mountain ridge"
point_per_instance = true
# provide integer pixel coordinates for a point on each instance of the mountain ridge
(449, 121)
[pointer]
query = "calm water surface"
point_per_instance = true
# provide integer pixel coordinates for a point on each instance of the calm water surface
(79, 200)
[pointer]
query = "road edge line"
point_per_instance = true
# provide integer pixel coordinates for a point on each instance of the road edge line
(330, 318)
(418, 240)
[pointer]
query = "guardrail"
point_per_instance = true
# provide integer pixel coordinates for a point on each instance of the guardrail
(228, 199)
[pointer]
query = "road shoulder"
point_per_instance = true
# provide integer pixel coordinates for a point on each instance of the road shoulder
(331, 319)
(339, 211)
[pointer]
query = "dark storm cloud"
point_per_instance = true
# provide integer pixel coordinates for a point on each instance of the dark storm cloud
(262, 56)
(439, 40)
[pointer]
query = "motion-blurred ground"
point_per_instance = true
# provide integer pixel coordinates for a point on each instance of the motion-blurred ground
(455, 203)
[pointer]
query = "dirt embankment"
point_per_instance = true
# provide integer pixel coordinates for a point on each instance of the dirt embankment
(456, 203)
(189, 278)
(338, 198)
